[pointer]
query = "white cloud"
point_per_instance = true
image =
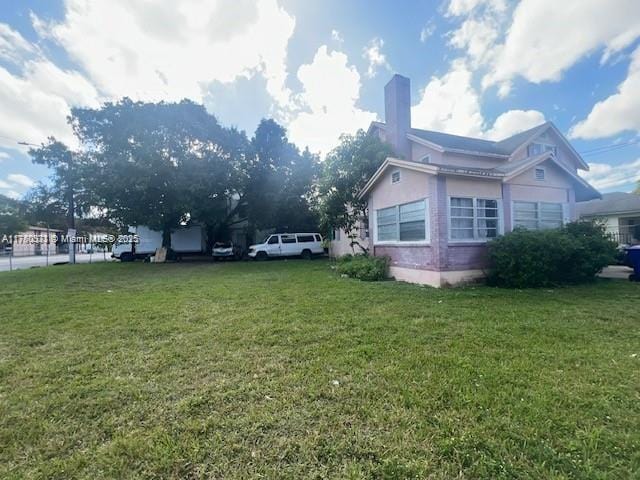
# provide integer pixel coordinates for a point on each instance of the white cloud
(547, 37)
(13, 46)
(450, 103)
(4, 156)
(428, 30)
(331, 88)
(617, 113)
(34, 113)
(12, 194)
(170, 50)
(514, 121)
(21, 180)
(477, 37)
(36, 95)
(373, 53)
(465, 7)
(604, 176)
(5, 185)
(337, 36)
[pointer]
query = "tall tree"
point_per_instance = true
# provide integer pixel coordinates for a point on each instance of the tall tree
(46, 206)
(12, 222)
(158, 164)
(279, 181)
(68, 181)
(346, 170)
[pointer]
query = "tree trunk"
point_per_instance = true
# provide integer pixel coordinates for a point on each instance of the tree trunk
(166, 236)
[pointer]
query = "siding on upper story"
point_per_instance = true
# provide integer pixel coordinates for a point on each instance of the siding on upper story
(554, 188)
(564, 155)
(473, 187)
(411, 187)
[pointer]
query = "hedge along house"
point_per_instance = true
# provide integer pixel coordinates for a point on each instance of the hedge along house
(433, 208)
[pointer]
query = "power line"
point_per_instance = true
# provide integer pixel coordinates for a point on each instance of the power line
(609, 148)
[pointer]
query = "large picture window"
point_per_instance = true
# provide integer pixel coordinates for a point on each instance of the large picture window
(404, 223)
(473, 218)
(537, 215)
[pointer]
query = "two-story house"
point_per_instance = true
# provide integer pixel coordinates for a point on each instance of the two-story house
(433, 207)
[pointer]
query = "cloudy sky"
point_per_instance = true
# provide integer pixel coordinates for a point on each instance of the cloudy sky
(485, 68)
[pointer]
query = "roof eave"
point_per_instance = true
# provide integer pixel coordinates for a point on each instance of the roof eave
(442, 149)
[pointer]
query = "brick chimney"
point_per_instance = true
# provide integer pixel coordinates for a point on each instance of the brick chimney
(397, 114)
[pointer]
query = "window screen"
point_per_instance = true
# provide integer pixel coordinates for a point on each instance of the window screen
(412, 221)
(537, 215)
(474, 218)
(387, 224)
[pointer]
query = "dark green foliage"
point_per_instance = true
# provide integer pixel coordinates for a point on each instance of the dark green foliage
(364, 267)
(154, 163)
(12, 220)
(572, 254)
(346, 170)
(278, 181)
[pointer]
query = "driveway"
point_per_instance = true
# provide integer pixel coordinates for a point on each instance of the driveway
(616, 271)
(18, 263)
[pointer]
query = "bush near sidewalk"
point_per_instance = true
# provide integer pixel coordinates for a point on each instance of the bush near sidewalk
(364, 267)
(572, 254)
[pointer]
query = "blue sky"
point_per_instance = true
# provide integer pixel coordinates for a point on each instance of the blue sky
(484, 68)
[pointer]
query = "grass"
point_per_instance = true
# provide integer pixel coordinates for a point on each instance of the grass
(286, 370)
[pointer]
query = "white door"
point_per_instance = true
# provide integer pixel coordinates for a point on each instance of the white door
(273, 246)
(289, 245)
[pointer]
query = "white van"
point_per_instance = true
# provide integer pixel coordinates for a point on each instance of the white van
(305, 245)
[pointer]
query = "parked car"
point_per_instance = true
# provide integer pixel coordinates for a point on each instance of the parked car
(225, 251)
(305, 245)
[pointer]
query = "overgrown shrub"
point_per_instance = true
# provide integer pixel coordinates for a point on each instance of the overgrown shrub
(572, 254)
(363, 267)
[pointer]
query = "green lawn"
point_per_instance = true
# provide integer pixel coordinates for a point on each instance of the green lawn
(285, 370)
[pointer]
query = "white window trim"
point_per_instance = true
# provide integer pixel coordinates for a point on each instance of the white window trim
(565, 211)
(399, 177)
(475, 239)
(544, 174)
(406, 243)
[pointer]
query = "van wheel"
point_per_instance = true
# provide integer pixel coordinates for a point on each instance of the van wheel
(127, 257)
(262, 256)
(306, 255)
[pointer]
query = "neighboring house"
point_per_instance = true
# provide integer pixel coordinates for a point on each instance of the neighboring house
(342, 243)
(432, 209)
(39, 241)
(619, 212)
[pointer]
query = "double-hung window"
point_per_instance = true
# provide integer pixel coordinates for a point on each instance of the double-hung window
(537, 215)
(403, 223)
(473, 218)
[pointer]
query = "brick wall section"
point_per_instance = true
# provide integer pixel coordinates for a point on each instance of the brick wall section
(467, 257)
(416, 257)
(506, 207)
(439, 232)
(571, 193)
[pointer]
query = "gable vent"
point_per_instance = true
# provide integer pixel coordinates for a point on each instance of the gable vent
(540, 174)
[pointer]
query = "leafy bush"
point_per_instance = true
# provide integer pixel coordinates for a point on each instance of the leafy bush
(364, 267)
(572, 254)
